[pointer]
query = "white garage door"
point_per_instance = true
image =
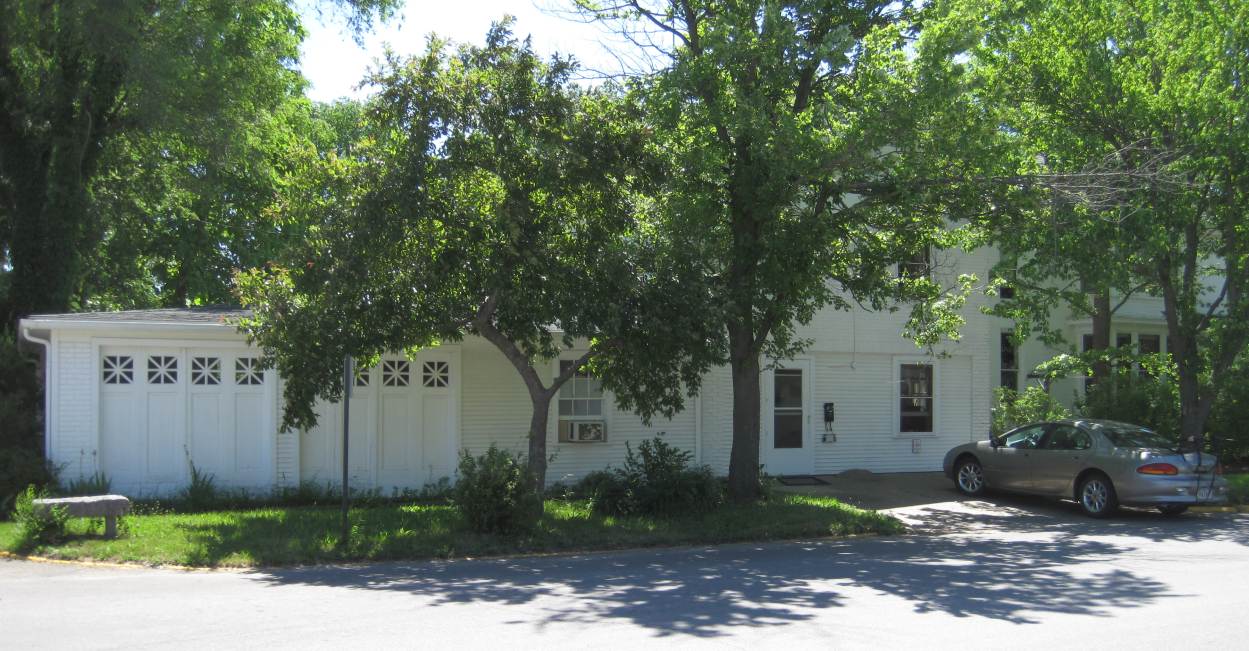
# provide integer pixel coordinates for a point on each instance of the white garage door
(162, 409)
(403, 426)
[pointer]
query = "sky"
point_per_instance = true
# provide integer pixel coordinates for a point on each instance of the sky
(335, 64)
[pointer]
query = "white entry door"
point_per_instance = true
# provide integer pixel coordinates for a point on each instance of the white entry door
(788, 440)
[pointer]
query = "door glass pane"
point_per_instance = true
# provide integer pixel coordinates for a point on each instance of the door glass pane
(787, 429)
(788, 389)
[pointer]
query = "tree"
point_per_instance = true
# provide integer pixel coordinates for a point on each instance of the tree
(490, 197)
(1151, 97)
(809, 151)
(75, 77)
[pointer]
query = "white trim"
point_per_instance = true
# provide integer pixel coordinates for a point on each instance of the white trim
(895, 394)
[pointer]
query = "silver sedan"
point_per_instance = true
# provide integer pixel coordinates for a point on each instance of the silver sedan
(1100, 464)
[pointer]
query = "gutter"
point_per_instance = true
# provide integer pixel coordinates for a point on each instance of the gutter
(47, 390)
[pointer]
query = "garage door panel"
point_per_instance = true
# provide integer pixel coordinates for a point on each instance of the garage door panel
(248, 435)
(121, 438)
(210, 451)
(438, 438)
(163, 436)
(395, 432)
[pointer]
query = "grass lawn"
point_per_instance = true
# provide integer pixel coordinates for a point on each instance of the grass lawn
(278, 536)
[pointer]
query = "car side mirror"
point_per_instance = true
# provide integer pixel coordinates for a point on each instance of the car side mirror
(993, 442)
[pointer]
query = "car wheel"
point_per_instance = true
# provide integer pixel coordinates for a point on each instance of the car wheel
(1173, 509)
(1097, 496)
(969, 476)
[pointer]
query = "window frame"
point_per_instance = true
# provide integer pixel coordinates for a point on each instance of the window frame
(1005, 340)
(559, 420)
(896, 396)
(909, 269)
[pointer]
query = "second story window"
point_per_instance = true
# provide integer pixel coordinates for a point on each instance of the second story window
(916, 267)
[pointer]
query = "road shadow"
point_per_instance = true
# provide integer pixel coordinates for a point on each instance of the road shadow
(1009, 514)
(709, 592)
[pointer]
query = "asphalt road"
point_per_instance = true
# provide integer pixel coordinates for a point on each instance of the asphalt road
(1022, 573)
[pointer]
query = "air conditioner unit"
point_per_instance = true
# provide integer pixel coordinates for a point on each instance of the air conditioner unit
(584, 431)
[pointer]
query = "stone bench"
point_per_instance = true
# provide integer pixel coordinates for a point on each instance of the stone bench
(91, 506)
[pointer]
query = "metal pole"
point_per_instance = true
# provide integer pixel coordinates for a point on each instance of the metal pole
(348, 376)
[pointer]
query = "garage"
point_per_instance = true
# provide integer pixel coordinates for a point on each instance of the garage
(162, 409)
(403, 426)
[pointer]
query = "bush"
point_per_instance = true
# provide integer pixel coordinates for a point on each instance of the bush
(19, 468)
(201, 493)
(1151, 401)
(494, 493)
(95, 484)
(657, 480)
(1014, 408)
(37, 526)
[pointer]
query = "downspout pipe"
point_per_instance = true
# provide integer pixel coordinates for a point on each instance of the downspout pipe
(47, 393)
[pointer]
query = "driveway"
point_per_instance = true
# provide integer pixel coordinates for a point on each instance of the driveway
(999, 572)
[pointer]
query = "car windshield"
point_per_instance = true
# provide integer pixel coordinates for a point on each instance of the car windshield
(1138, 437)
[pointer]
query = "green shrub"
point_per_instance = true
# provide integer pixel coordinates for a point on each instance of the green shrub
(494, 493)
(201, 493)
(657, 480)
(19, 468)
(1014, 408)
(1151, 401)
(95, 484)
(37, 526)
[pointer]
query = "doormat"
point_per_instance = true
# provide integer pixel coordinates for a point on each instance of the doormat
(801, 480)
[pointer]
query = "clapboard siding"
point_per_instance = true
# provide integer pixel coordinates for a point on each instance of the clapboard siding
(496, 410)
(74, 441)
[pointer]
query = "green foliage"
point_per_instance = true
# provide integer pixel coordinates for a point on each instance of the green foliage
(1014, 408)
(201, 494)
(804, 152)
(1126, 396)
(96, 483)
(1227, 425)
(20, 468)
(37, 525)
(657, 480)
(494, 493)
(1125, 117)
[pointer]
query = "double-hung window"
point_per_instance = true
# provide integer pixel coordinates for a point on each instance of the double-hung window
(581, 407)
(1009, 355)
(916, 398)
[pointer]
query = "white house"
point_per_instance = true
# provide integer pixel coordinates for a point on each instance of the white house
(140, 395)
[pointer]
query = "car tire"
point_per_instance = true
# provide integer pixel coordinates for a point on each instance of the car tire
(969, 476)
(1096, 496)
(1173, 510)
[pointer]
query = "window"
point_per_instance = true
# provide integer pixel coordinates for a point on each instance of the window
(247, 371)
(915, 397)
(435, 374)
(162, 369)
(206, 371)
(361, 379)
(395, 372)
(1086, 344)
(1024, 438)
(580, 406)
(1067, 437)
(787, 408)
(1123, 340)
(916, 267)
(1149, 345)
(1010, 363)
(1006, 292)
(118, 369)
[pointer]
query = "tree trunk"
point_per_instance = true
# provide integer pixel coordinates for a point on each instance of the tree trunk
(537, 439)
(1101, 333)
(744, 458)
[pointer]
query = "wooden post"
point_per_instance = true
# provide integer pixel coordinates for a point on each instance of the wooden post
(348, 377)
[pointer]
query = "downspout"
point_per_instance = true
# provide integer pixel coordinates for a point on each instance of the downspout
(47, 392)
